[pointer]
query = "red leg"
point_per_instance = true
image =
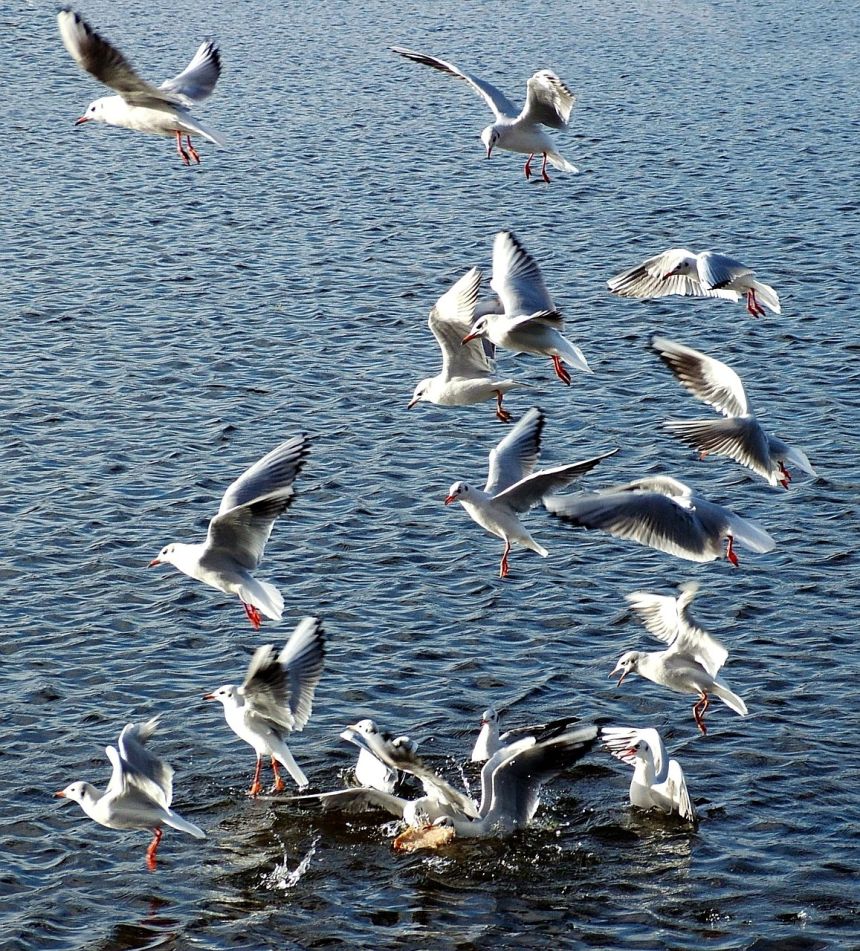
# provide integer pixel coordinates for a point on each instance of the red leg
(703, 456)
(182, 153)
(253, 615)
(280, 785)
(153, 848)
(543, 173)
(527, 168)
(256, 788)
(730, 552)
(786, 476)
(753, 306)
(560, 370)
(501, 412)
(503, 568)
(191, 150)
(699, 709)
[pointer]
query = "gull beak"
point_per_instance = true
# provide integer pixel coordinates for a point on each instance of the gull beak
(411, 403)
(623, 674)
(208, 696)
(59, 795)
(81, 121)
(153, 563)
(489, 150)
(630, 752)
(450, 498)
(468, 337)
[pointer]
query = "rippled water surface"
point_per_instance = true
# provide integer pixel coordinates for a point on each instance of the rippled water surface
(163, 327)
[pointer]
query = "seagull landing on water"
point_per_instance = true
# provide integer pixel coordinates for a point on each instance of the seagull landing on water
(276, 698)
(739, 435)
(548, 102)
(692, 660)
(238, 534)
(139, 793)
(707, 274)
(663, 513)
(658, 782)
(525, 319)
(513, 487)
(163, 110)
(467, 369)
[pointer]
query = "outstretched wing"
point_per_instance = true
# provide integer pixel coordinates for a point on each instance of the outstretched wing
(709, 380)
(717, 270)
(516, 456)
(529, 491)
(548, 100)
(141, 769)
(253, 502)
(101, 59)
(517, 279)
(196, 82)
(651, 278)
(451, 320)
(495, 99)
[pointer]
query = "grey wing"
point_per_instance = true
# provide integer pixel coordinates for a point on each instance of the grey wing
(517, 279)
(516, 456)
(548, 100)
(739, 437)
(619, 740)
(101, 59)
(302, 660)
(253, 502)
(649, 279)
(140, 768)
(518, 778)
(451, 320)
(534, 488)
(196, 82)
(649, 518)
(359, 799)
(281, 688)
(658, 612)
(496, 100)
(717, 270)
(709, 380)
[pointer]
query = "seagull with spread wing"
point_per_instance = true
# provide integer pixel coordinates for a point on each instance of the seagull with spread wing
(707, 274)
(139, 793)
(739, 435)
(658, 781)
(548, 102)
(666, 514)
(238, 534)
(513, 486)
(276, 698)
(162, 110)
(692, 660)
(467, 370)
(525, 319)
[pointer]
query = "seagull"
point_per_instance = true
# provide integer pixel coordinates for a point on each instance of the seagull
(398, 754)
(513, 487)
(658, 782)
(276, 698)
(139, 793)
(693, 658)
(467, 371)
(511, 783)
(739, 435)
(663, 513)
(491, 741)
(548, 102)
(525, 320)
(238, 534)
(707, 274)
(163, 110)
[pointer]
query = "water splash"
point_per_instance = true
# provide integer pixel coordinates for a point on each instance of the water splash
(282, 878)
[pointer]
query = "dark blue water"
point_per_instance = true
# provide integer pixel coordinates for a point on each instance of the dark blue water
(164, 327)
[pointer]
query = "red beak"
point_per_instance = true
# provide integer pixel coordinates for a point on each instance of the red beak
(489, 150)
(59, 795)
(153, 563)
(449, 499)
(208, 696)
(468, 337)
(411, 403)
(81, 121)
(621, 678)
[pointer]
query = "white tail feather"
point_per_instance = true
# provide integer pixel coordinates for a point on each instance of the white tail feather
(283, 755)
(729, 699)
(558, 162)
(183, 825)
(264, 596)
(766, 295)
